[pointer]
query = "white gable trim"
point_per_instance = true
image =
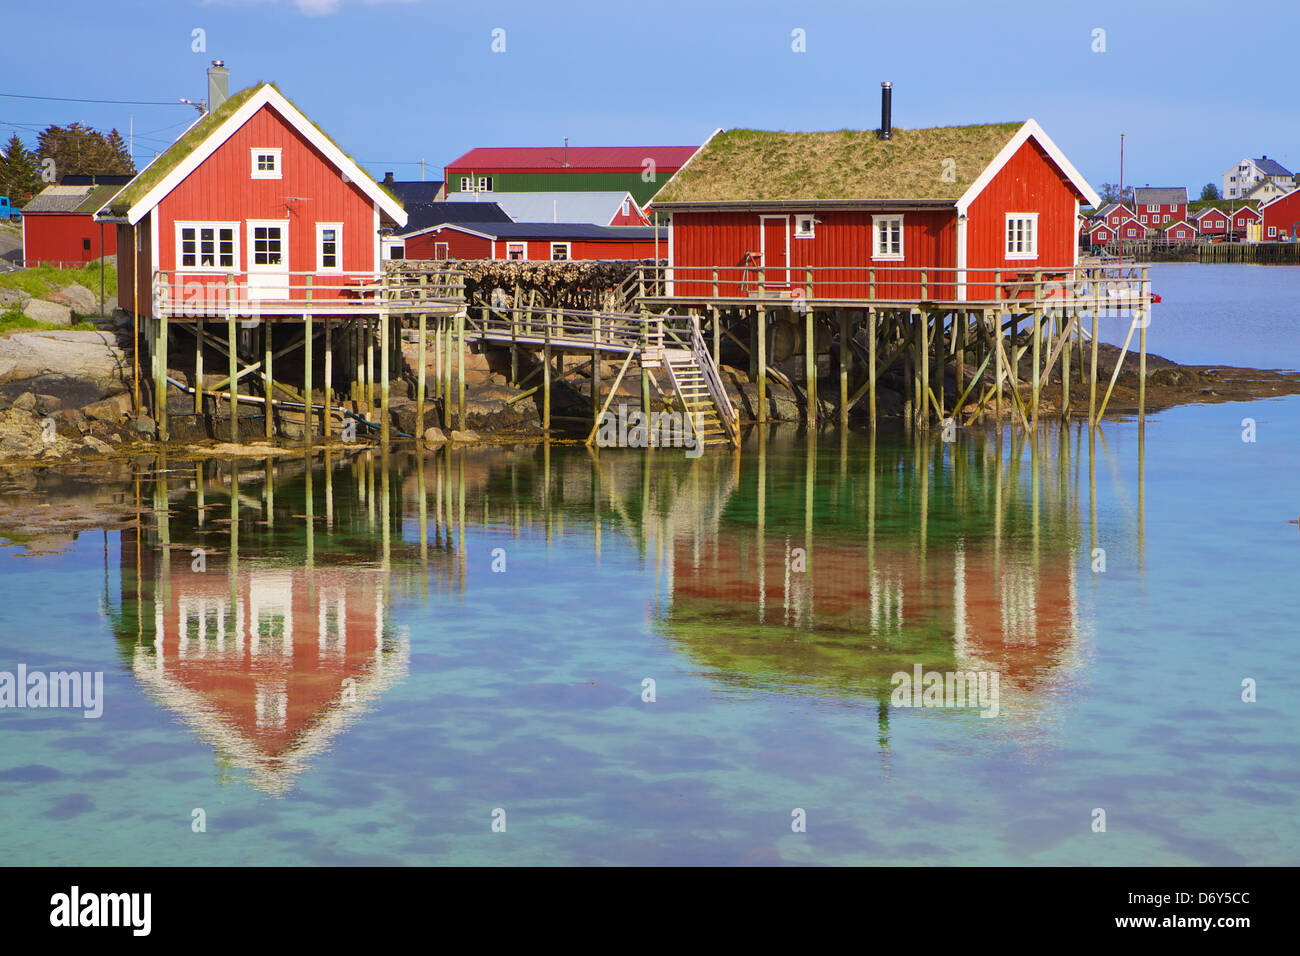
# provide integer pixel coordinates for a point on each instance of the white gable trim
(1029, 129)
(267, 96)
(449, 225)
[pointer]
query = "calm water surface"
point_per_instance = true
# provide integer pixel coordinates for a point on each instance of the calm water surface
(470, 631)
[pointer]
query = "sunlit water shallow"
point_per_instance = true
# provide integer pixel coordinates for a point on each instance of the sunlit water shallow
(366, 693)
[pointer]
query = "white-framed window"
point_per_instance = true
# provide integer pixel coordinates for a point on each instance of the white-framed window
(1153, 207)
(1166, 219)
(266, 162)
(207, 246)
(805, 227)
(1272, 231)
(560, 252)
(627, 207)
(1132, 232)
(329, 247)
(1022, 235)
(1143, 217)
(268, 246)
(887, 237)
(516, 250)
(485, 184)
(466, 184)
(397, 251)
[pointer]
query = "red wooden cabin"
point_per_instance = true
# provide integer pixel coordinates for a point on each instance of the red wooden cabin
(1159, 206)
(253, 197)
(1281, 217)
(1211, 222)
(59, 225)
(1181, 231)
(931, 214)
(1242, 219)
(557, 242)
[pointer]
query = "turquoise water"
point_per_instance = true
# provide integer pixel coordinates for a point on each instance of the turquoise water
(384, 691)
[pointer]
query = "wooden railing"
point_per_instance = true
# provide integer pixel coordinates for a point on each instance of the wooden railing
(1031, 283)
(704, 361)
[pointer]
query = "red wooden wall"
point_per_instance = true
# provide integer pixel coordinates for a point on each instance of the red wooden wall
(1029, 182)
(460, 245)
(310, 190)
(60, 237)
(840, 251)
(1281, 215)
(128, 266)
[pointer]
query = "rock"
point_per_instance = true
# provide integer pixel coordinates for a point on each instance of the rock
(97, 446)
(48, 404)
(115, 438)
(466, 435)
(111, 410)
(25, 402)
(70, 423)
(78, 298)
(144, 425)
(10, 297)
(434, 436)
(92, 358)
(51, 312)
(402, 415)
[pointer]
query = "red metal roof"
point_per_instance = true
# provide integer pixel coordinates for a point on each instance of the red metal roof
(609, 159)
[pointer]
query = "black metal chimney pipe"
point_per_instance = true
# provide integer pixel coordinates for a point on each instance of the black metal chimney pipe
(886, 110)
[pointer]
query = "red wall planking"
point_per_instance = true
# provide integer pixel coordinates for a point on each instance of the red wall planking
(62, 237)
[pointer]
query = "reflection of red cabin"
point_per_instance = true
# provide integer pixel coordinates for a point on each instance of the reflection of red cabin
(270, 678)
(1011, 205)
(1003, 614)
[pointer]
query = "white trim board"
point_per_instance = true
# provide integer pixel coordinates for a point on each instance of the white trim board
(1028, 130)
(267, 95)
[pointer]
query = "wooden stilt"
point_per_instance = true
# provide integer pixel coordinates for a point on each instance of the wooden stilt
(460, 368)
(1038, 335)
(160, 395)
(595, 368)
(1092, 375)
(370, 365)
(232, 359)
(327, 424)
(810, 362)
(1065, 375)
(872, 332)
(995, 333)
(546, 377)
(308, 345)
(385, 344)
(760, 323)
(846, 359)
(420, 373)
(268, 382)
(922, 408)
(1142, 351)
(198, 367)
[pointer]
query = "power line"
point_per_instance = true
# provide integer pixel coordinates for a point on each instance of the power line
(74, 99)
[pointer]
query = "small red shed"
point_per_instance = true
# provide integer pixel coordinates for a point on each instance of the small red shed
(59, 225)
(1181, 231)
(1211, 222)
(931, 214)
(1242, 219)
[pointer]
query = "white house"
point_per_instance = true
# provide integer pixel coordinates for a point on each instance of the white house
(1245, 174)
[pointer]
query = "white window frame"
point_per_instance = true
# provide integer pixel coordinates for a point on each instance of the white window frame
(257, 151)
(484, 184)
(627, 207)
(467, 184)
(1272, 232)
(395, 247)
(338, 247)
(876, 223)
(568, 251)
(1153, 207)
(234, 232)
(1032, 219)
(283, 226)
(805, 226)
(445, 247)
(521, 246)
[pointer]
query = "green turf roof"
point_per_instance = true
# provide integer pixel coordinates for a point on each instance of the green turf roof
(759, 165)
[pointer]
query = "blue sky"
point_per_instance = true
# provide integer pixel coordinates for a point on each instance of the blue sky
(396, 80)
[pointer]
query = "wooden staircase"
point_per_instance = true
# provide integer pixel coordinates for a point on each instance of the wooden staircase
(698, 385)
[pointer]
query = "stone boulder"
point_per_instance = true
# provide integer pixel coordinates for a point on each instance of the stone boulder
(97, 446)
(434, 436)
(111, 410)
(78, 298)
(12, 297)
(52, 312)
(92, 358)
(467, 435)
(402, 415)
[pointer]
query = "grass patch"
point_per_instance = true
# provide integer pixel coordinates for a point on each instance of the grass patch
(15, 321)
(42, 280)
(939, 163)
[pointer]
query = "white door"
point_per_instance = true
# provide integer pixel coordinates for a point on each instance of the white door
(268, 259)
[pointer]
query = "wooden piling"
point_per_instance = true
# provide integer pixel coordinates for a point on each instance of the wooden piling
(460, 368)
(760, 322)
(846, 358)
(232, 363)
(546, 377)
(384, 344)
(810, 363)
(268, 382)
(309, 406)
(922, 409)
(326, 424)
(873, 330)
(198, 367)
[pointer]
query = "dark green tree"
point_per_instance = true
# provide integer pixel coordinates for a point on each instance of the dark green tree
(80, 149)
(1210, 191)
(20, 174)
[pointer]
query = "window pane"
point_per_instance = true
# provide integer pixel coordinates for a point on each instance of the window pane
(187, 247)
(226, 248)
(207, 247)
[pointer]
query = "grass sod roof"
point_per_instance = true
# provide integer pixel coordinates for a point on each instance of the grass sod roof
(175, 154)
(757, 165)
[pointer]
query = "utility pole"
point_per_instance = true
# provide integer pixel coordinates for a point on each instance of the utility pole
(421, 169)
(1121, 197)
